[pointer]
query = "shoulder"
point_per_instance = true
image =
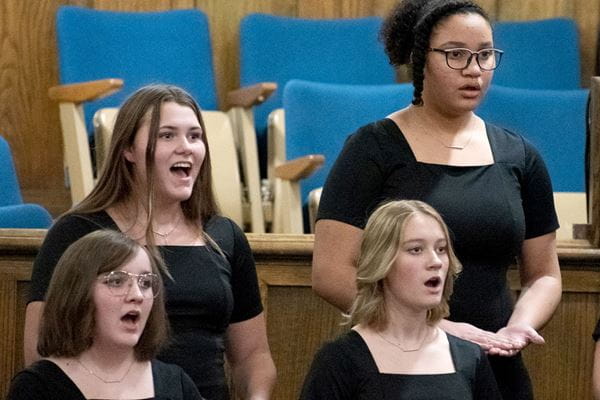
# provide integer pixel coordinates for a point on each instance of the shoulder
(348, 348)
(170, 378)
(510, 146)
(464, 346)
(39, 379)
(378, 133)
(81, 223)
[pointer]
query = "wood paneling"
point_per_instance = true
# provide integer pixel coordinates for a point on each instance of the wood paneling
(28, 66)
(298, 322)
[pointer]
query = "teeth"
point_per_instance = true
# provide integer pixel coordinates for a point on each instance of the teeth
(182, 165)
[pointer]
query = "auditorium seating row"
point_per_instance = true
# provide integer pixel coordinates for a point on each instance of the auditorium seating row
(105, 55)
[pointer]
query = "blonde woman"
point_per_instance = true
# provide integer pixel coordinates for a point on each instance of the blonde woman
(395, 350)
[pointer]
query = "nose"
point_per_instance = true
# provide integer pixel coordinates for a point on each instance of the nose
(184, 145)
(435, 261)
(472, 67)
(134, 293)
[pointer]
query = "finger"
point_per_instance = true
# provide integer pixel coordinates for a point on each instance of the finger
(536, 338)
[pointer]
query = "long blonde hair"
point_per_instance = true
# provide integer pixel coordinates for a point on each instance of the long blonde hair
(380, 244)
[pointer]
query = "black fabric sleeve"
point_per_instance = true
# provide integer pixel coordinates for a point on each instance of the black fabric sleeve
(485, 386)
(244, 282)
(332, 375)
(596, 334)
(171, 382)
(61, 235)
(537, 195)
(188, 388)
(27, 386)
(355, 180)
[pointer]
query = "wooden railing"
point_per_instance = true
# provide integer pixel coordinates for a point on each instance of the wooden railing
(299, 321)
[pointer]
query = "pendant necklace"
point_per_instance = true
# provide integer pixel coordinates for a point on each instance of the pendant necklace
(165, 236)
(437, 139)
(405, 350)
(89, 371)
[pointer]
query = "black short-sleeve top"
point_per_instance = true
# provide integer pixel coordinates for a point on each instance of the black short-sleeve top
(208, 292)
(489, 209)
(345, 369)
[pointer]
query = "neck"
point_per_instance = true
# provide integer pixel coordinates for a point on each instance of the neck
(444, 123)
(107, 358)
(406, 327)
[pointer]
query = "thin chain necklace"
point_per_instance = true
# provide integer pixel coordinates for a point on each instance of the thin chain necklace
(437, 139)
(165, 236)
(398, 345)
(106, 380)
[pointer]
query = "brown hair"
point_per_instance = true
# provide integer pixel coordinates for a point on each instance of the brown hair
(380, 244)
(67, 323)
(117, 179)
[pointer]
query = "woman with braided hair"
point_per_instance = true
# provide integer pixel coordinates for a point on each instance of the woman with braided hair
(490, 185)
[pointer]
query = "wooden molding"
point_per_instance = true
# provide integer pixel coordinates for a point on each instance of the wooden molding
(250, 96)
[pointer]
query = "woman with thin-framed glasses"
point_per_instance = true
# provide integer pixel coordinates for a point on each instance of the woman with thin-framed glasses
(103, 325)
(490, 185)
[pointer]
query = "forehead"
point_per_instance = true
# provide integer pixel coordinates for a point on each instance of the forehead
(466, 28)
(422, 226)
(138, 263)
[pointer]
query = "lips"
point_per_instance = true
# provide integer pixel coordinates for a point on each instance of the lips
(181, 169)
(471, 87)
(131, 318)
(433, 282)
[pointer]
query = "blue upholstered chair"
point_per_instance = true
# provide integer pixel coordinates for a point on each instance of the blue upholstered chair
(13, 212)
(278, 49)
(120, 52)
(555, 122)
(319, 118)
(541, 54)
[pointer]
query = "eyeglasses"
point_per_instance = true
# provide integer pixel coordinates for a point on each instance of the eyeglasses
(119, 283)
(459, 58)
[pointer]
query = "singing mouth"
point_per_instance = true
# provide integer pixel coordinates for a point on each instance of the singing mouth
(182, 168)
(433, 282)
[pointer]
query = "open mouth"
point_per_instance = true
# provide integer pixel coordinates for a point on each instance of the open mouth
(471, 88)
(181, 169)
(433, 282)
(131, 316)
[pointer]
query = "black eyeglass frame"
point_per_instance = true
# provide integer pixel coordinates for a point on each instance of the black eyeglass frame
(497, 54)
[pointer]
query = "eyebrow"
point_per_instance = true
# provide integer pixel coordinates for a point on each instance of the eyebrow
(482, 45)
(175, 127)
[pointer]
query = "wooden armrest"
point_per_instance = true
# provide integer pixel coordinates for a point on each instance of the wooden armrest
(299, 168)
(84, 91)
(251, 95)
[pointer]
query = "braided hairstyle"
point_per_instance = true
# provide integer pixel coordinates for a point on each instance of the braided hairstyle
(407, 30)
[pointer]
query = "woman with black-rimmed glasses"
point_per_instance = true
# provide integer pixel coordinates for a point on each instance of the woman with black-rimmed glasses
(490, 185)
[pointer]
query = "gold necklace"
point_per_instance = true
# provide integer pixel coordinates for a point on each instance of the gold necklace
(166, 235)
(398, 345)
(437, 139)
(102, 379)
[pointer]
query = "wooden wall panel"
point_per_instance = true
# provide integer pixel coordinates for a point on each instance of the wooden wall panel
(28, 66)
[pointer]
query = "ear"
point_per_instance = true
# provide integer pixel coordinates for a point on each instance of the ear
(128, 154)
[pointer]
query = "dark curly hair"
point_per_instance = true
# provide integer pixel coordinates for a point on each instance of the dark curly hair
(406, 32)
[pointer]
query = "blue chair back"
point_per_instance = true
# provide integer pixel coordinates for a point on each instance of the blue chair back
(553, 120)
(542, 54)
(13, 213)
(320, 116)
(139, 47)
(278, 49)
(10, 193)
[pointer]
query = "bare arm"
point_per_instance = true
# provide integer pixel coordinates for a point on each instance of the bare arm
(596, 373)
(541, 290)
(248, 353)
(33, 313)
(335, 256)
